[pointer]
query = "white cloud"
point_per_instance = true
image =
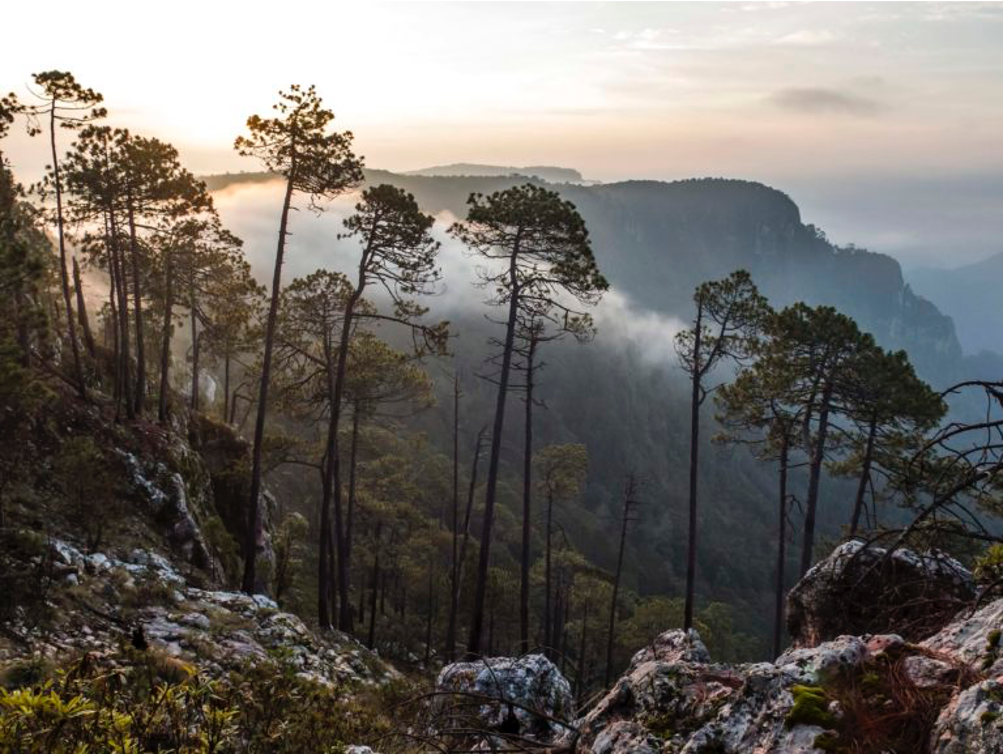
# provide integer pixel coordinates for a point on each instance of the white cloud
(809, 38)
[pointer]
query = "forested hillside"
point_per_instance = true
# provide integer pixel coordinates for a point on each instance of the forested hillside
(624, 396)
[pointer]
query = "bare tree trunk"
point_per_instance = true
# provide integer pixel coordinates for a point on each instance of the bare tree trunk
(116, 341)
(866, 469)
(548, 526)
(371, 637)
(64, 278)
(165, 343)
(125, 391)
(335, 411)
(580, 675)
(195, 351)
(524, 581)
(818, 453)
(695, 426)
(351, 512)
(85, 323)
(137, 292)
(226, 383)
(428, 618)
(451, 621)
(782, 521)
(251, 544)
(611, 624)
(484, 556)
(323, 610)
(451, 631)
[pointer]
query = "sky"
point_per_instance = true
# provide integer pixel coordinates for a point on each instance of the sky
(883, 121)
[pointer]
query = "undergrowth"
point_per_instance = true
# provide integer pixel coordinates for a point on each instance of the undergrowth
(151, 702)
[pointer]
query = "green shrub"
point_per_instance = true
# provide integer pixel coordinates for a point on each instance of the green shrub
(150, 701)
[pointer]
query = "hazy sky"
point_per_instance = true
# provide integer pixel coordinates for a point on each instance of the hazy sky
(883, 121)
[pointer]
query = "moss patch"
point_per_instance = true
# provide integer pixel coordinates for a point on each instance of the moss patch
(810, 708)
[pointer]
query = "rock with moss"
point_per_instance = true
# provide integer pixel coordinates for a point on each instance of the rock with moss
(673, 699)
(858, 590)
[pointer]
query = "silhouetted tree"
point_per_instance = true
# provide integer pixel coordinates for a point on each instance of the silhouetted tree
(812, 355)
(729, 314)
(298, 145)
(630, 502)
(399, 256)
(65, 102)
(540, 245)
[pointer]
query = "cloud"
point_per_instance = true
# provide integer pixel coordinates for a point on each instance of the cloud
(819, 100)
(621, 322)
(808, 38)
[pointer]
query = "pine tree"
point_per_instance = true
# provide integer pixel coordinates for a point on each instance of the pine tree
(298, 145)
(65, 102)
(539, 249)
(728, 315)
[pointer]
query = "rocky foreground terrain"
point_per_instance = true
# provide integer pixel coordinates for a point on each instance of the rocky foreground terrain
(830, 692)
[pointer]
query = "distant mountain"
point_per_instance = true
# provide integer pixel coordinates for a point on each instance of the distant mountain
(972, 295)
(656, 241)
(543, 172)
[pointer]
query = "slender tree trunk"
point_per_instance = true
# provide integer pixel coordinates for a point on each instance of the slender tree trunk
(85, 323)
(335, 411)
(580, 675)
(695, 426)
(451, 620)
(611, 624)
(866, 469)
(195, 351)
(251, 544)
(451, 631)
(125, 391)
(226, 383)
(137, 292)
(353, 465)
(165, 342)
(782, 520)
(323, 609)
(547, 573)
(64, 277)
(524, 581)
(371, 637)
(428, 618)
(812, 498)
(480, 590)
(491, 629)
(362, 598)
(116, 341)
(558, 626)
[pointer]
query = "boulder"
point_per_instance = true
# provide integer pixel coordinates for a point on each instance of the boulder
(974, 638)
(862, 590)
(532, 684)
(971, 722)
(672, 698)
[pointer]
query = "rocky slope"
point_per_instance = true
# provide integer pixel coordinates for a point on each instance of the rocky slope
(129, 539)
(873, 692)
